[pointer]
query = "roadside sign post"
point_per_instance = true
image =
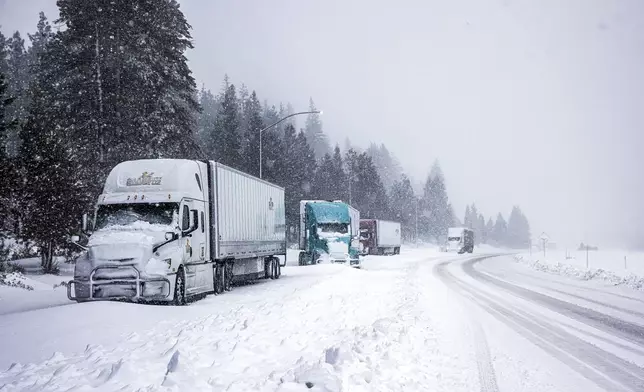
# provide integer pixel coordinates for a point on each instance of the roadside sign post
(544, 240)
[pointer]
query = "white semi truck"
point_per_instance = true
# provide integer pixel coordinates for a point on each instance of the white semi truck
(460, 239)
(380, 237)
(168, 229)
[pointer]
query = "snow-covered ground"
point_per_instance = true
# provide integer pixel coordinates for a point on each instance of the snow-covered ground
(420, 321)
(611, 266)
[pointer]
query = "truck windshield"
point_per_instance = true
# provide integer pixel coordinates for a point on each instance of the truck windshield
(341, 228)
(127, 214)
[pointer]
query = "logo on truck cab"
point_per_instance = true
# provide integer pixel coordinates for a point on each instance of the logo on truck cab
(145, 179)
(271, 205)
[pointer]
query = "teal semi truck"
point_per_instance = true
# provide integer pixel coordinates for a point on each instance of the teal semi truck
(329, 231)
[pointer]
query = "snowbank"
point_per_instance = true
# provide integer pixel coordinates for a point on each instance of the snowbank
(20, 293)
(613, 267)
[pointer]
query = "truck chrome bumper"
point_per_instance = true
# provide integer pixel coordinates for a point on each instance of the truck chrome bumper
(135, 285)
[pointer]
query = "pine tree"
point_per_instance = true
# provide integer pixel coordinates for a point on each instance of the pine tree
(272, 144)
(250, 144)
(340, 178)
(387, 165)
(518, 232)
(297, 175)
(314, 134)
(403, 204)
(7, 172)
(482, 229)
(500, 230)
(467, 220)
(474, 219)
(436, 204)
(225, 143)
(489, 230)
(4, 67)
(19, 79)
(206, 119)
(367, 193)
(324, 188)
(126, 89)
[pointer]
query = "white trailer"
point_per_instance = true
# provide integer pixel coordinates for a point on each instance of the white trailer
(380, 237)
(168, 229)
(389, 234)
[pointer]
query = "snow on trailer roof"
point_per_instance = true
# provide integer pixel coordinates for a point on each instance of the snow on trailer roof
(154, 175)
(329, 212)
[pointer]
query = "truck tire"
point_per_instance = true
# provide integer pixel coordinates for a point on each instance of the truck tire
(397, 250)
(274, 268)
(278, 268)
(301, 258)
(267, 268)
(229, 276)
(179, 298)
(219, 277)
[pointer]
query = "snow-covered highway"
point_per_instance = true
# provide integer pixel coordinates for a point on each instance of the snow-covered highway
(421, 321)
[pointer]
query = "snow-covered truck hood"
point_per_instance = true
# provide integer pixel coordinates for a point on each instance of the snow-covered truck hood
(124, 245)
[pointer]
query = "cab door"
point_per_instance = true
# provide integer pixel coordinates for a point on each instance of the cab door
(194, 234)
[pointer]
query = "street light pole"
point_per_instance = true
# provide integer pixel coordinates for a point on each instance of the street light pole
(271, 126)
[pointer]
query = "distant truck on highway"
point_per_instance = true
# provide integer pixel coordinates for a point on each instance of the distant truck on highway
(168, 229)
(460, 239)
(329, 231)
(380, 237)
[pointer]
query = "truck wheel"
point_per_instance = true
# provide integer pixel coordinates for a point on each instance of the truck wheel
(278, 268)
(397, 251)
(179, 289)
(229, 276)
(301, 258)
(273, 268)
(219, 278)
(267, 268)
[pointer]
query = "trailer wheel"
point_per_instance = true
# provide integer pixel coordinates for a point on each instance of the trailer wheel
(219, 278)
(397, 251)
(180, 289)
(267, 268)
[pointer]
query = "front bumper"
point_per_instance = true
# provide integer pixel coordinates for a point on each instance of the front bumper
(346, 260)
(129, 287)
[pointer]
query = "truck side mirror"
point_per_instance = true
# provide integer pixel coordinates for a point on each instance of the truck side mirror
(185, 219)
(75, 239)
(84, 223)
(195, 220)
(169, 236)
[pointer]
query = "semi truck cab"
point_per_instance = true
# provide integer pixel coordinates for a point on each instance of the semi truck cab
(327, 233)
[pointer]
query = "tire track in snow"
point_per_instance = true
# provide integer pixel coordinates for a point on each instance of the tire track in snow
(487, 375)
(625, 329)
(604, 369)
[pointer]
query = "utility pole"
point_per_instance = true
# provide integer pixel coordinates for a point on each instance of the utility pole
(261, 162)
(416, 222)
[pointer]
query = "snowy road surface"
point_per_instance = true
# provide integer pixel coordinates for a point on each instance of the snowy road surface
(421, 321)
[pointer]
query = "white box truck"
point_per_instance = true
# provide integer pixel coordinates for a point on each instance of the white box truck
(380, 237)
(168, 229)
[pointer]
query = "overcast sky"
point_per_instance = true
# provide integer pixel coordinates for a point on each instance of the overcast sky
(536, 103)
